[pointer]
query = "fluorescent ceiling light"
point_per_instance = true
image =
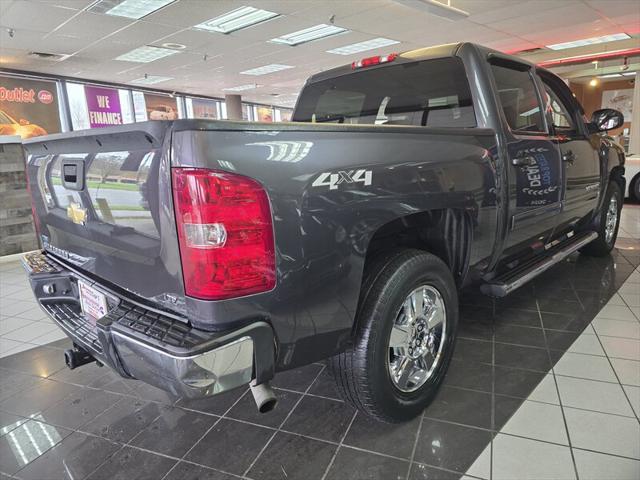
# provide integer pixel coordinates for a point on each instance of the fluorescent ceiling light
(442, 9)
(617, 75)
(363, 46)
(241, 88)
(309, 34)
(589, 41)
(150, 80)
(146, 54)
(274, 67)
(128, 8)
(235, 20)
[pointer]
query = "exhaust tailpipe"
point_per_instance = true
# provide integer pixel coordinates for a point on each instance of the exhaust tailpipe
(76, 357)
(264, 396)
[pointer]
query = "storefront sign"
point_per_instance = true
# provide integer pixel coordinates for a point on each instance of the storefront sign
(28, 108)
(103, 105)
(161, 107)
(204, 108)
(265, 114)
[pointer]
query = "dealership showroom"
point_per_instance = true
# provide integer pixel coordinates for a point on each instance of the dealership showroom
(320, 239)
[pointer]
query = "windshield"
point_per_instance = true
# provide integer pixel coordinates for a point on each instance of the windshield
(4, 118)
(433, 93)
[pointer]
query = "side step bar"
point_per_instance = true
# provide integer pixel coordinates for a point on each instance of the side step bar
(513, 279)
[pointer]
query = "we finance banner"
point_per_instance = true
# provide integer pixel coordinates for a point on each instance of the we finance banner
(103, 105)
(28, 107)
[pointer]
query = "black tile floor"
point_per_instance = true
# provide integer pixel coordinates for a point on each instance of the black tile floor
(90, 423)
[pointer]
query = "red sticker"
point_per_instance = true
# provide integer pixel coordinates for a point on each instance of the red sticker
(45, 96)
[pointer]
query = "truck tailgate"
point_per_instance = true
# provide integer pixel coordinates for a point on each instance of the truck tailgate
(102, 203)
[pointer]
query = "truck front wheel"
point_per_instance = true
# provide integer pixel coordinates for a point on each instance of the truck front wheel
(608, 223)
(404, 338)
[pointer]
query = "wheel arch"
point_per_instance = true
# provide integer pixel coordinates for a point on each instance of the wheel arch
(446, 233)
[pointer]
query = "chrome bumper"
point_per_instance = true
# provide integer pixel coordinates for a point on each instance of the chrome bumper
(154, 347)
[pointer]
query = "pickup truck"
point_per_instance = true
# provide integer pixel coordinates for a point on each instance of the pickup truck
(201, 256)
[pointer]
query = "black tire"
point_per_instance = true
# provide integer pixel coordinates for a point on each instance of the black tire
(634, 188)
(600, 247)
(361, 372)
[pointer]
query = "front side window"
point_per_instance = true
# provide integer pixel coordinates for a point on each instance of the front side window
(559, 113)
(432, 93)
(519, 100)
(558, 107)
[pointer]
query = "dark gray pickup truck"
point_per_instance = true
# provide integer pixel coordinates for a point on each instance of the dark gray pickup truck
(200, 256)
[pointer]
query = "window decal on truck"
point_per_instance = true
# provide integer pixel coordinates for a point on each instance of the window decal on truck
(332, 180)
(537, 184)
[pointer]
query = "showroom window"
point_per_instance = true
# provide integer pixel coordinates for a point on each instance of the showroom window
(139, 106)
(203, 108)
(78, 106)
(519, 99)
(281, 115)
(432, 93)
(86, 113)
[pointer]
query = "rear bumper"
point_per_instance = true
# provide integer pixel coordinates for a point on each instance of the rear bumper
(154, 347)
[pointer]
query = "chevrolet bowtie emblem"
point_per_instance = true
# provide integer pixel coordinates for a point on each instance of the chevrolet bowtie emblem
(76, 213)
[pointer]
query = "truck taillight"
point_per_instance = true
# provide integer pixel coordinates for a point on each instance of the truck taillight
(371, 61)
(225, 233)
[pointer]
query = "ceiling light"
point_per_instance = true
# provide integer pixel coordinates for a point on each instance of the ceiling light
(174, 46)
(241, 88)
(235, 20)
(589, 41)
(274, 67)
(128, 8)
(150, 80)
(309, 34)
(146, 54)
(363, 46)
(610, 75)
(617, 75)
(593, 82)
(440, 9)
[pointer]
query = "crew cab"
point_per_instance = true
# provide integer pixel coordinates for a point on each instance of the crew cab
(201, 256)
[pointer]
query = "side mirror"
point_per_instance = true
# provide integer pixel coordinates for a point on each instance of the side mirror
(24, 122)
(606, 119)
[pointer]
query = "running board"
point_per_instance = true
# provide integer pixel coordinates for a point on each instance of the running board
(513, 279)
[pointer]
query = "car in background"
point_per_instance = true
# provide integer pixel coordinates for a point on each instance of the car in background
(22, 127)
(632, 171)
(163, 112)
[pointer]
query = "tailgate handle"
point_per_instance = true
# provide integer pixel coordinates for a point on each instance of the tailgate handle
(73, 174)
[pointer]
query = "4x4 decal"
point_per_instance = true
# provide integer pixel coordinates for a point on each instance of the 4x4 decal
(332, 180)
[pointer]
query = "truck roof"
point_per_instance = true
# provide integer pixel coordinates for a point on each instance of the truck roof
(426, 53)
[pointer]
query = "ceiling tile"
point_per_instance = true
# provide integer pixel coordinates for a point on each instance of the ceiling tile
(34, 17)
(93, 26)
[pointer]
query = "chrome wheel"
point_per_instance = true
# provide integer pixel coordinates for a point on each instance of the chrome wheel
(611, 220)
(417, 339)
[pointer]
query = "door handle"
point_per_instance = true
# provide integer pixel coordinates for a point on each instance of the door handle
(568, 157)
(523, 161)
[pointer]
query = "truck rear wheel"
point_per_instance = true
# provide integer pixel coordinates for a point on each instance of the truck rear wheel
(404, 339)
(608, 223)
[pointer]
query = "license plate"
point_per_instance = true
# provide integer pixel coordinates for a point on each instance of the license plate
(92, 301)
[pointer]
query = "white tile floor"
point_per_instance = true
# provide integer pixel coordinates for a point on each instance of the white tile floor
(23, 325)
(583, 418)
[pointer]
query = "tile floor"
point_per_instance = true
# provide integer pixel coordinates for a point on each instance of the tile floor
(544, 384)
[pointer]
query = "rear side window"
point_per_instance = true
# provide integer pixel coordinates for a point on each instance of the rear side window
(432, 93)
(519, 99)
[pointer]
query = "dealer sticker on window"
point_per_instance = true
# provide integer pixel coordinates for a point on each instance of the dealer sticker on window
(92, 301)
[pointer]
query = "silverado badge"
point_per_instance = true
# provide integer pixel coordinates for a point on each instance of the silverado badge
(76, 213)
